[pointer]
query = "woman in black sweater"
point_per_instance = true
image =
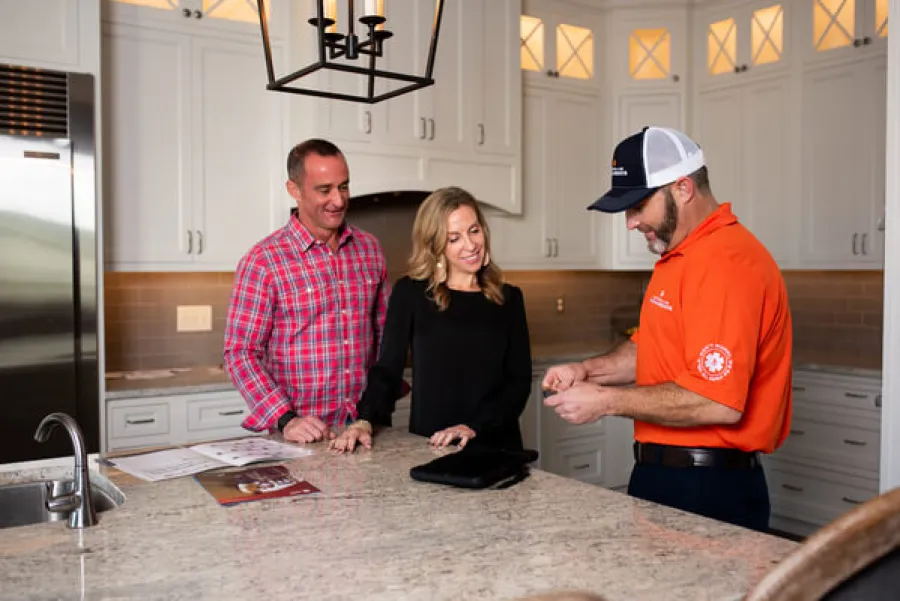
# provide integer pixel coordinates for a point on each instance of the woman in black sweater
(471, 356)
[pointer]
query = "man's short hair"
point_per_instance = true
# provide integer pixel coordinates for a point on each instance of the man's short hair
(700, 177)
(296, 160)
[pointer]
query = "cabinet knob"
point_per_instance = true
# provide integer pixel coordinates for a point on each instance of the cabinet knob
(199, 242)
(857, 43)
(855, 236)
(676, 79)
(190, 241)
(198, 14)
(867, 40)
(186, 12)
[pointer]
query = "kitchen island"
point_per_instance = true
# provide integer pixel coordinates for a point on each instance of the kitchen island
(375, 534)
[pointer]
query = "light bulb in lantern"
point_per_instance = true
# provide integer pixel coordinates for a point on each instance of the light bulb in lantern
(374, 8)
(331, 13)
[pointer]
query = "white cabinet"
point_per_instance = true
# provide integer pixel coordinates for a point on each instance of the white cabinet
(193, 149)
(599, 453)
(200, 16)
(745, 130)
(463, 130)
(844, 106)
(176, 419)
(561, 45)
(42, 33)
(830, 461)
(832, 30)
(561, 144)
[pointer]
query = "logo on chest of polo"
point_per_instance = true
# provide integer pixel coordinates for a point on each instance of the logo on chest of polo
(661, 301)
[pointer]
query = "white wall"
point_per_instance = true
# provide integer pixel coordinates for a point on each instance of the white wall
(890, 412)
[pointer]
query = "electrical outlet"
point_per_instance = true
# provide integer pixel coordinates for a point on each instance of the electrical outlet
(194, 318)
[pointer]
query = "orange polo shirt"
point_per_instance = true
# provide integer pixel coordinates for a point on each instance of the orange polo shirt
(715, 320)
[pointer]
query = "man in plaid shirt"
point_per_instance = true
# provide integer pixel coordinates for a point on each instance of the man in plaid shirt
(308, 307)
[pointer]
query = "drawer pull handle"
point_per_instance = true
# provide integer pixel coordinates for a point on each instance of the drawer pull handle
(852, 501)
(227, 413)
(855, 443)
(856, 395)
(792, 487)
(582, 466)
(799, 388)
(136, 422)
(798, 432)
(878, 401)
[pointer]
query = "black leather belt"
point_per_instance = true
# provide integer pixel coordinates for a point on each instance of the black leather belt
(672, 456)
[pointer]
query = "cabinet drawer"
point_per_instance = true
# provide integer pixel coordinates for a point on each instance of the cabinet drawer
(833, 438)
(138, 420)
(847, 395)
(814, 496)
(215, 414)
(583, 461)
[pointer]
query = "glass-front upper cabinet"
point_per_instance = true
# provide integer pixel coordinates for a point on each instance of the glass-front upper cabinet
(655, 42)
(743, 40)
(240, 16)
(832, 28)
(559, 46)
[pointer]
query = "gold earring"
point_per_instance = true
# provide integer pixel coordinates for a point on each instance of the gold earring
(440, 273)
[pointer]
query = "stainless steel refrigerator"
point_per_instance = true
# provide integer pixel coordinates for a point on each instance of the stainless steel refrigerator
(48, 259)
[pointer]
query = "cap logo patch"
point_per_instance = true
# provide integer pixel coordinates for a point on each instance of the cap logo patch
(618, 171)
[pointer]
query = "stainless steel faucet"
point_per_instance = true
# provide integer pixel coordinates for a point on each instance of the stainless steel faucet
(77, 502)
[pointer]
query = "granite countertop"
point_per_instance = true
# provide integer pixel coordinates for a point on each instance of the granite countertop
(129, 385)
(374, 533)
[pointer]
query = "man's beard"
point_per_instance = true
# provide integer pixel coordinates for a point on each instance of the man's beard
(663, 234)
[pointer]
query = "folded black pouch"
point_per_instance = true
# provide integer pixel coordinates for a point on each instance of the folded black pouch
(476, 466)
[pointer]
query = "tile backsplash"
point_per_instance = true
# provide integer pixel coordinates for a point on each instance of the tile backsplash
(837, 315)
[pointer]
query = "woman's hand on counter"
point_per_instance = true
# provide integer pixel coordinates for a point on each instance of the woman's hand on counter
(307, 429)
(444, 437)
(359, 432)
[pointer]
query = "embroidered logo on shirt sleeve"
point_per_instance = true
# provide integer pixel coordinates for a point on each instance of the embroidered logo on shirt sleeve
(714, 362)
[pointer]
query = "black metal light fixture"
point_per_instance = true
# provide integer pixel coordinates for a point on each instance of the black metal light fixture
(333, 45)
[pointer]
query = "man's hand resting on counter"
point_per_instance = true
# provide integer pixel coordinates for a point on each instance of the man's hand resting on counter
(307, 429)
(359, 432)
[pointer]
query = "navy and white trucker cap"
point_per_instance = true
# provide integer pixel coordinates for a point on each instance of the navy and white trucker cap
(645, 162)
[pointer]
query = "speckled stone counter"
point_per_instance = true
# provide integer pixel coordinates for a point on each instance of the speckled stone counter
(375, 534)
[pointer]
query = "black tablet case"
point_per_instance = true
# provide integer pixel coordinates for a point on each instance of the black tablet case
(476, 467)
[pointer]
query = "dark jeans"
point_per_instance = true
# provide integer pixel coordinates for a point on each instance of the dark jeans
(736, 496)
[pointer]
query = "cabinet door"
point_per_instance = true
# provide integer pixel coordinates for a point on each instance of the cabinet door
(496, 93)
(655, 43)
(768, 202)
(444, 107)
(718, 132)
(36, 33)
(236, 151)
(635, 111)
(147, 166)
(576, 178)
(872, 237)
(524, 241)
(837, 178)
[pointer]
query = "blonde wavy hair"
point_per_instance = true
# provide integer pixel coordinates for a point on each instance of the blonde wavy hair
(429, 238)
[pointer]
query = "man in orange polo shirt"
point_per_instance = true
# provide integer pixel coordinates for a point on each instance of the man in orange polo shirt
(707, 377)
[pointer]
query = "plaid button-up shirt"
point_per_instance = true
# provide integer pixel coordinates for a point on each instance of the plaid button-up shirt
(304, 324)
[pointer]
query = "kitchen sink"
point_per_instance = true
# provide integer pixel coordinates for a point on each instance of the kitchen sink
(26, 503)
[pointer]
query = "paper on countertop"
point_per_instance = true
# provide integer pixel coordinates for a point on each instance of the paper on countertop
(174, 463)
(162, 465)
